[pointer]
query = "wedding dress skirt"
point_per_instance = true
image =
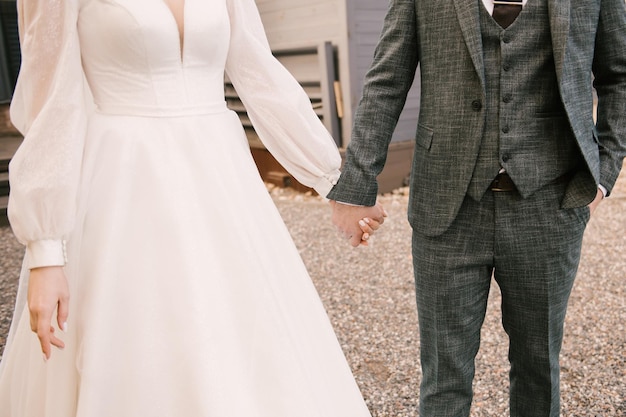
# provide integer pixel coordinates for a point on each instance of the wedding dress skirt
(188, 297)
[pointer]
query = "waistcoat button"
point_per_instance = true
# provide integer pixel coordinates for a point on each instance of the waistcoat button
(477, 105)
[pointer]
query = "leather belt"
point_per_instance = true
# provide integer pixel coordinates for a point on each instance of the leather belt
(502, 182)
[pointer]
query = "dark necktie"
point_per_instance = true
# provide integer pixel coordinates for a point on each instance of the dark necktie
(505, 11)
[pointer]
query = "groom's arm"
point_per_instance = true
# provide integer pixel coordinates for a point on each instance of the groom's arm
(609, 68)
(387, 84)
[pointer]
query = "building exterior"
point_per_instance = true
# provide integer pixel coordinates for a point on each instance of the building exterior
(9, 49)
(9, 63)
(352, 27)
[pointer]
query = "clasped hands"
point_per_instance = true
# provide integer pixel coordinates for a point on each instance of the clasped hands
(357, 223)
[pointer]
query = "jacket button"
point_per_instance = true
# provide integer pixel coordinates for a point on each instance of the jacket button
(477, 105)
(505, 129)
(505, 157)
(507, 98)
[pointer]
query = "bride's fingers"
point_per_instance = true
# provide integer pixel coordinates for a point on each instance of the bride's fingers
(375, 225)
(40, 325)
(365, 227)
(55, 341)
(367, 232)
(45, 337)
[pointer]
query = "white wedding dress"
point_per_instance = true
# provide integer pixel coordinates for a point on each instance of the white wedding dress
(188, 296)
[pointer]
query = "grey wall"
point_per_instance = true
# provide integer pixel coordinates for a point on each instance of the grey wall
(365, 20)
(353, 26)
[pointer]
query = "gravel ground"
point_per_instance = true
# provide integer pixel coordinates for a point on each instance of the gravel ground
(369, 295)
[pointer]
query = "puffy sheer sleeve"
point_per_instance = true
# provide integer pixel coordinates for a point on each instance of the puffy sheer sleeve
(48, 108)
(278, 107)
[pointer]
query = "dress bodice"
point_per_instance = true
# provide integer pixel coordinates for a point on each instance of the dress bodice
(132, 58)
(129, 51)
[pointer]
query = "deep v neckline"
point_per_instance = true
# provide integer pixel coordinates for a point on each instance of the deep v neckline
(180, 26)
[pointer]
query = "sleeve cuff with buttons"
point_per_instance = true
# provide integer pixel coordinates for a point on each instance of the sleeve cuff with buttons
(326, 183)
(47, 252)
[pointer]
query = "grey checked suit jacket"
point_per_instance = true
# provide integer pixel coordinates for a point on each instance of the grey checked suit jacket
(443, 36)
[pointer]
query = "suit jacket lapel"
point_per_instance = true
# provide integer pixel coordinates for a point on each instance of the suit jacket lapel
(467, 13)
(559, 11)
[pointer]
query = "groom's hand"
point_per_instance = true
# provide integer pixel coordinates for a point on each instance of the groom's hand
(346, 218)
(596, 201)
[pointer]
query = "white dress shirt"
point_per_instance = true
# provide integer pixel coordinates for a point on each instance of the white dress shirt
(489, 5)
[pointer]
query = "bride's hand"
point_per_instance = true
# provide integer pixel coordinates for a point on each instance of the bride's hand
(368, 227)
(48, 291)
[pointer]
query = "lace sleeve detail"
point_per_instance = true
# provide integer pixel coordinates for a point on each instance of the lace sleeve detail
(48, 108)
(278, 107)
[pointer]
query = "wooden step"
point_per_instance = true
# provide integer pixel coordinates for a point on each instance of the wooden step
(4, 201)
(8, 146)
(4, 183)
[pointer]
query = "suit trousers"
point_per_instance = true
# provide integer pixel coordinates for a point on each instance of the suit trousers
(531, 247)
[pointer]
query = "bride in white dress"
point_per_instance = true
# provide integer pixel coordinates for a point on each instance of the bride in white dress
(187, 297)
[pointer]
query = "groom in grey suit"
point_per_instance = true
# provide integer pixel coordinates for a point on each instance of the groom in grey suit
(508, 165)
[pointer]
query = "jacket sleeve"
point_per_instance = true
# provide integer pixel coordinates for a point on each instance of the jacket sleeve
(609, 68)
(278, 107)
(48, 108)
(387, 84)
